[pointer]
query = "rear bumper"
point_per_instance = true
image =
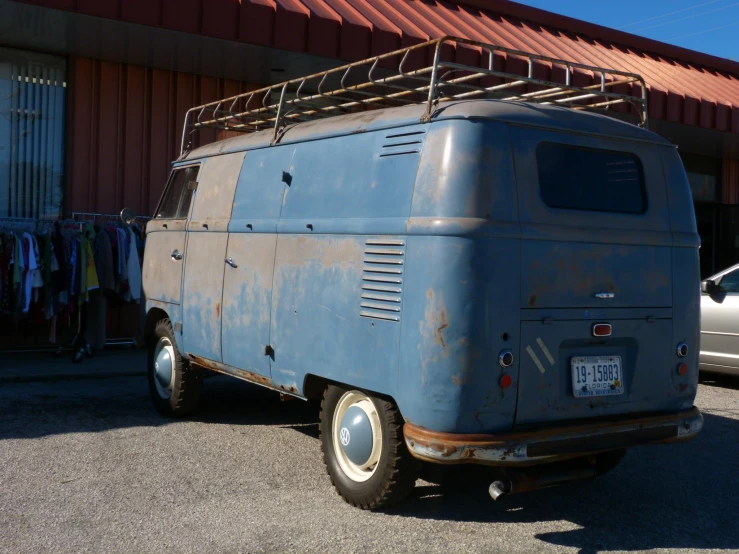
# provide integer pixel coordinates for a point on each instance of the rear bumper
(550, 444)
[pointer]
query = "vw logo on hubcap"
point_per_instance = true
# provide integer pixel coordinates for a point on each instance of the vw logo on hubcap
(344, 436)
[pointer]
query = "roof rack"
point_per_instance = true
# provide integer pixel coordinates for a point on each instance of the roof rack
(383, 81)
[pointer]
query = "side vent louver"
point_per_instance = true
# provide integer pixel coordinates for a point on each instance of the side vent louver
(402, 143)
(382, 279)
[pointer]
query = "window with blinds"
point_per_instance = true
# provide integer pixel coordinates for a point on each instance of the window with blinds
(32, 107)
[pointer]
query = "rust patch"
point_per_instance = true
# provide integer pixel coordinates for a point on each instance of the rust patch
(229, 370)
(532, 300)
(218, 309)
(435, 322)
(440, 329)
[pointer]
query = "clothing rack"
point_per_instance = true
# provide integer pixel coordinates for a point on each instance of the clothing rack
(95, 217)
(79, 344)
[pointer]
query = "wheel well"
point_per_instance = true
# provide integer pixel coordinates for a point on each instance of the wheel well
(152, 317)
(313, 386)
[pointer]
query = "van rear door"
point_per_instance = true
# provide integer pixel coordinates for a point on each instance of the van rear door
(596, 249)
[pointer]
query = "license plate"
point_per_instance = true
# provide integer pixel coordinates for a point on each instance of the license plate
(597, 376)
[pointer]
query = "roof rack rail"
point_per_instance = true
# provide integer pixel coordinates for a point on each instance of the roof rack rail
(382, 81)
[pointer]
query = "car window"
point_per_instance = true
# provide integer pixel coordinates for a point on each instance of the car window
(577, 178)
(730, 282)
(177, 198)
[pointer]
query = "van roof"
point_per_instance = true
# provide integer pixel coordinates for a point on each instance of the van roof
(516, 113)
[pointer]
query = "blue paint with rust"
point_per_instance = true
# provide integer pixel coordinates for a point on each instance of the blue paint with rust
(406, 256)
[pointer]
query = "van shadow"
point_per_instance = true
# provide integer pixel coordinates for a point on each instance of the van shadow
(667, 496)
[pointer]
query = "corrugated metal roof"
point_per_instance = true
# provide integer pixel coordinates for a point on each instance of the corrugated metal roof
(686, 87)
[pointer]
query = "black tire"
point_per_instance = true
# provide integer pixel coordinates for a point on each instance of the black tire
(396, 471)
(186, 383)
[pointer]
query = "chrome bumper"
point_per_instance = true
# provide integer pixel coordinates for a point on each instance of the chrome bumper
(550, 444)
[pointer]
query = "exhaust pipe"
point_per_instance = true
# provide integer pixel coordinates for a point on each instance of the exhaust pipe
(530, 479)
(499, 488)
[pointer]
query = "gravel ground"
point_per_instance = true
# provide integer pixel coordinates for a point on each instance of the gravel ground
(88, 466)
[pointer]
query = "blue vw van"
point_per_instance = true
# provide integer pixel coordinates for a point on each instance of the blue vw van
(506, 283)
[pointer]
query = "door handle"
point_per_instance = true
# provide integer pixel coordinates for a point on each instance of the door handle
(176, 255)
(230, 261)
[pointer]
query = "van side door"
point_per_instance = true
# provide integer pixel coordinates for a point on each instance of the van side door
(165, 238)
(252, 240)
(207, 236)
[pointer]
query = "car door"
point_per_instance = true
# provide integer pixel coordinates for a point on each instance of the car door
(720, 324)
(207, 237)
(165, 238)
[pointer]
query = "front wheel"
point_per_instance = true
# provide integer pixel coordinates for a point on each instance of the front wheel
(364, 450)
(173, 384)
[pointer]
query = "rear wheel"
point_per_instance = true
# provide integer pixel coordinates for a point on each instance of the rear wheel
(174, 385)
(364, 450)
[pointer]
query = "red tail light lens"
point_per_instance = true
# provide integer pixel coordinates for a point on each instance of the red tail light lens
(602, 330)
(682, 369)
(506, 381)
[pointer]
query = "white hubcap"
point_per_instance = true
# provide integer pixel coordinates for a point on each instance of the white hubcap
(164, 360)
(341, 436)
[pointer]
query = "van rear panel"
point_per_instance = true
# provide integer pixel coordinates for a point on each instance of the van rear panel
(597, 247)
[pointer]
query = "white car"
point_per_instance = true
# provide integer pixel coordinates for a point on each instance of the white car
(720, 322)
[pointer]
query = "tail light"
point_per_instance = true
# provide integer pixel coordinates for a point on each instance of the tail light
(602, 330)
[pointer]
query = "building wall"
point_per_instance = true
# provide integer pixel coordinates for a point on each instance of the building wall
(124, 129)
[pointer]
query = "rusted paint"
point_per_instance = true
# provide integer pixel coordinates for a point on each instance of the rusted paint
(511, 448)
(532, 300)
(435, 320)
(218, 309)
(244, 375)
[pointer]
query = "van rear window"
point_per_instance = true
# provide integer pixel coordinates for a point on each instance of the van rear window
(577, 178)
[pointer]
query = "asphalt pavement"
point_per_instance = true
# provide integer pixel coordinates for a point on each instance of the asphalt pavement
(89, 466)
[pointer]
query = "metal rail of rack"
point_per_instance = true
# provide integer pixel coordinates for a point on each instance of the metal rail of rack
(382, 81)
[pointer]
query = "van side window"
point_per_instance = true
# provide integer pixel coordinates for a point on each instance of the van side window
(175, 203)
(577, 178)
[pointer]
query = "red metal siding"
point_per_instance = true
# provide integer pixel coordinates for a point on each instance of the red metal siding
(126, 124)
(730, 181)
(686, 86)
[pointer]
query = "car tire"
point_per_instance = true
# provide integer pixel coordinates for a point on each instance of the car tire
(174, 385)
(371, 476)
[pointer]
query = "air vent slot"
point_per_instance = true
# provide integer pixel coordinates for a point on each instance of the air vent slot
(382, 279)
(399, 144)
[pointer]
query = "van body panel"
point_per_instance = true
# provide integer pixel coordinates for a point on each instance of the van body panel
(252, 243)
(346, 200)
(203, 290)
(367, 175)
(545, 382)
(162, 274)
(247, 301)
(460, 312)
(467, 172)
(316, 304)
(616, 268)
(565, 261)
(206, 253)
(462, 282)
